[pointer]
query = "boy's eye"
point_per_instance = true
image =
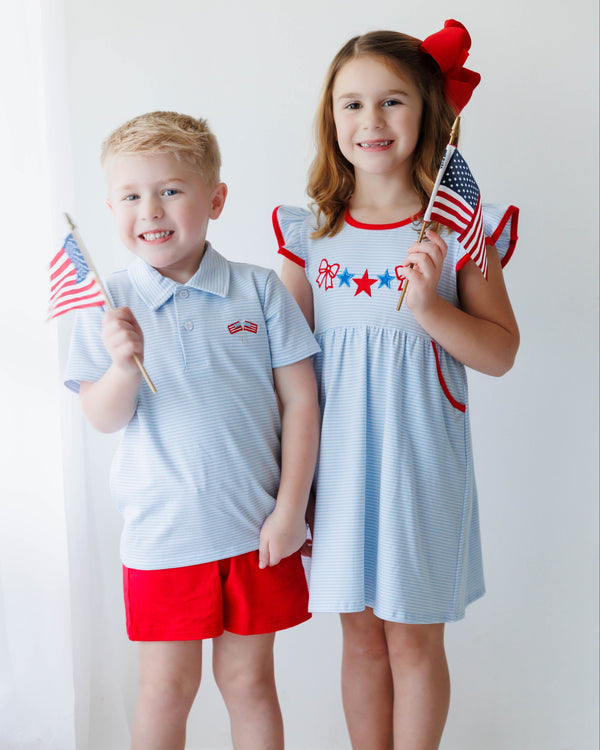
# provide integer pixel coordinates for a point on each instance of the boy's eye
(131, 197)
(170, 191)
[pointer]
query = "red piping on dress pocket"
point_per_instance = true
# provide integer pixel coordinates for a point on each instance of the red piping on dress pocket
(456, 404)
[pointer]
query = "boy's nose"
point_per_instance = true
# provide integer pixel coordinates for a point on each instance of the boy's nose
(152, 209)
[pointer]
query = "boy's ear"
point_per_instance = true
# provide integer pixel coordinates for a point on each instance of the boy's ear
(109, 204)
(218, 200)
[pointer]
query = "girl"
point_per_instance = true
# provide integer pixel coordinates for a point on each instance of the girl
(396, 538)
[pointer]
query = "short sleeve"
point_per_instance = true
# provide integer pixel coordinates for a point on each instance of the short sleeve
(290, 338)
(88, 359)
(500, 224)
(289, 224)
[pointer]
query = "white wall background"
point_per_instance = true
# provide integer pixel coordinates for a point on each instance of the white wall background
(524, 660)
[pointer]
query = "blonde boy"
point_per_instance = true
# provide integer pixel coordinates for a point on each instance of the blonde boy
(212, 483)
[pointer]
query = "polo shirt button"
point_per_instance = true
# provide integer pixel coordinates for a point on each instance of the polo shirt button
(188, 325)
(184, 294)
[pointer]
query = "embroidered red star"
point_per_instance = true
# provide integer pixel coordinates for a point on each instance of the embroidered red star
(364, 284)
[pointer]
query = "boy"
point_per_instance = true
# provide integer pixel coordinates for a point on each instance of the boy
(212, 526)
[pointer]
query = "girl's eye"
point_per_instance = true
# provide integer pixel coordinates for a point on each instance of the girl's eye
(170, 191)
(353, 105)
(390, 102)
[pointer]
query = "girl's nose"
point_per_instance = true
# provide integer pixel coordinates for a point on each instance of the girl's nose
(373, 118)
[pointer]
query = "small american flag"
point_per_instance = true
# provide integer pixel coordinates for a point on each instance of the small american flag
(456, 203)
(72, 284)
(235, 327)
(249, 326)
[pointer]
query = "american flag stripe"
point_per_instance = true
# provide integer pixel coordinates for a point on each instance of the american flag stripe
(72, 285)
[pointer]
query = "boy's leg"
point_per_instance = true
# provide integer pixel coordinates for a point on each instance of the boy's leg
(367, 689)
(169, 677)
(243, 669)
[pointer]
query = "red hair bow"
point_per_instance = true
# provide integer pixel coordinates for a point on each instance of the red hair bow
(450, 48)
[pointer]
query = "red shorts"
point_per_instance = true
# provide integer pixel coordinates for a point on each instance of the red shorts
(201, 601)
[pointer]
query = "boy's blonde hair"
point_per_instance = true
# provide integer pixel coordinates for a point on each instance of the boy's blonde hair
(331, 177)
(187, 138)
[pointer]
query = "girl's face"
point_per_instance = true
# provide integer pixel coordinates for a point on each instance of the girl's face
(377, 115)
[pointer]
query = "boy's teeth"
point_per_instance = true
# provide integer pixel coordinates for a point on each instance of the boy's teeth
(156, 235)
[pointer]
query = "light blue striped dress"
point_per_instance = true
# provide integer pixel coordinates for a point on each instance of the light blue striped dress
(396, 525)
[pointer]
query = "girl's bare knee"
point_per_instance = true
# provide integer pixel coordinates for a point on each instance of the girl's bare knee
(364, 635)
(415, 643)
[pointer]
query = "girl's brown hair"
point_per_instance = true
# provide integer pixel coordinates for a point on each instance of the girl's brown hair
(331, 176)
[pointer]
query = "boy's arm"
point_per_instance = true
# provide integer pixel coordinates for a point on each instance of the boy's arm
(109, 403)
(284, 531)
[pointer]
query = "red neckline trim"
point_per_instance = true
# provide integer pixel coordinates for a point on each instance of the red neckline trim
(360, 225)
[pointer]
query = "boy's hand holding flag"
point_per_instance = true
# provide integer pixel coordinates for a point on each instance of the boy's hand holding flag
(74, 284)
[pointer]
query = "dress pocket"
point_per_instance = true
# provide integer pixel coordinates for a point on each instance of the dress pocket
(456, 404)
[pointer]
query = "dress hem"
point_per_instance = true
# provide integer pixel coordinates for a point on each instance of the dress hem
(405, 618)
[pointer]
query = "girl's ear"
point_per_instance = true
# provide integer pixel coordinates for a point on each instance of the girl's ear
(218, 200)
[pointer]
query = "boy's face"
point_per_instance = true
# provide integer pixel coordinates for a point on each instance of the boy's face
(162, 208)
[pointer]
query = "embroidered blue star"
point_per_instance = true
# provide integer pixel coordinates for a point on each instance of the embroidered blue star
(384, 279)
(345, 277)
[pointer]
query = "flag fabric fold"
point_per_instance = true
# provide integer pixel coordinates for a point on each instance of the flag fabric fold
(72, 283)
(456, 203)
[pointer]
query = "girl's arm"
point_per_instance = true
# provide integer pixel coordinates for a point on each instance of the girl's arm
(284, 531)
(482, 334)
(294, 277)
(109, 403)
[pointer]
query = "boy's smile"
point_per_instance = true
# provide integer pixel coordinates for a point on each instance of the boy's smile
(162, 207)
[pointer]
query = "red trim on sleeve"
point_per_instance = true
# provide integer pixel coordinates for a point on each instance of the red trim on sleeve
(282, 249)
(464, 260)
(456, 404)
(512, 215)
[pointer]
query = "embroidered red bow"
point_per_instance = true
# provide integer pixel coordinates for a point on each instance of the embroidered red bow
(400, 276)
(449, 47)
(327, 273)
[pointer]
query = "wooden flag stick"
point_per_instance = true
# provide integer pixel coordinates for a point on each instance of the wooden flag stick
(110, 305)
(424, 226)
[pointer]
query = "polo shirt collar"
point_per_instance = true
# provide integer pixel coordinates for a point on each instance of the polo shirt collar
(155, 289)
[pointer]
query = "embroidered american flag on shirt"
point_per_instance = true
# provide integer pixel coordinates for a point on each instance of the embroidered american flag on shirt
(456, 203)
(72, 284)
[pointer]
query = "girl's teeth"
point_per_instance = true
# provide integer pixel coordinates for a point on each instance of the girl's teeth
(156, 235)
(372, 145)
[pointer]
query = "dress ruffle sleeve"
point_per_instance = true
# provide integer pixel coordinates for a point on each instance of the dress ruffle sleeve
(500, 224)
(290, 224)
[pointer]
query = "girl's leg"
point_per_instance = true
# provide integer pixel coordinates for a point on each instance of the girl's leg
(243, 669)
(169, 677)
(367, 689)
(421, 684)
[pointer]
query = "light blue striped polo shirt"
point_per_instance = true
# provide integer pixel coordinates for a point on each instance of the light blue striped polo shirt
(197, 469)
